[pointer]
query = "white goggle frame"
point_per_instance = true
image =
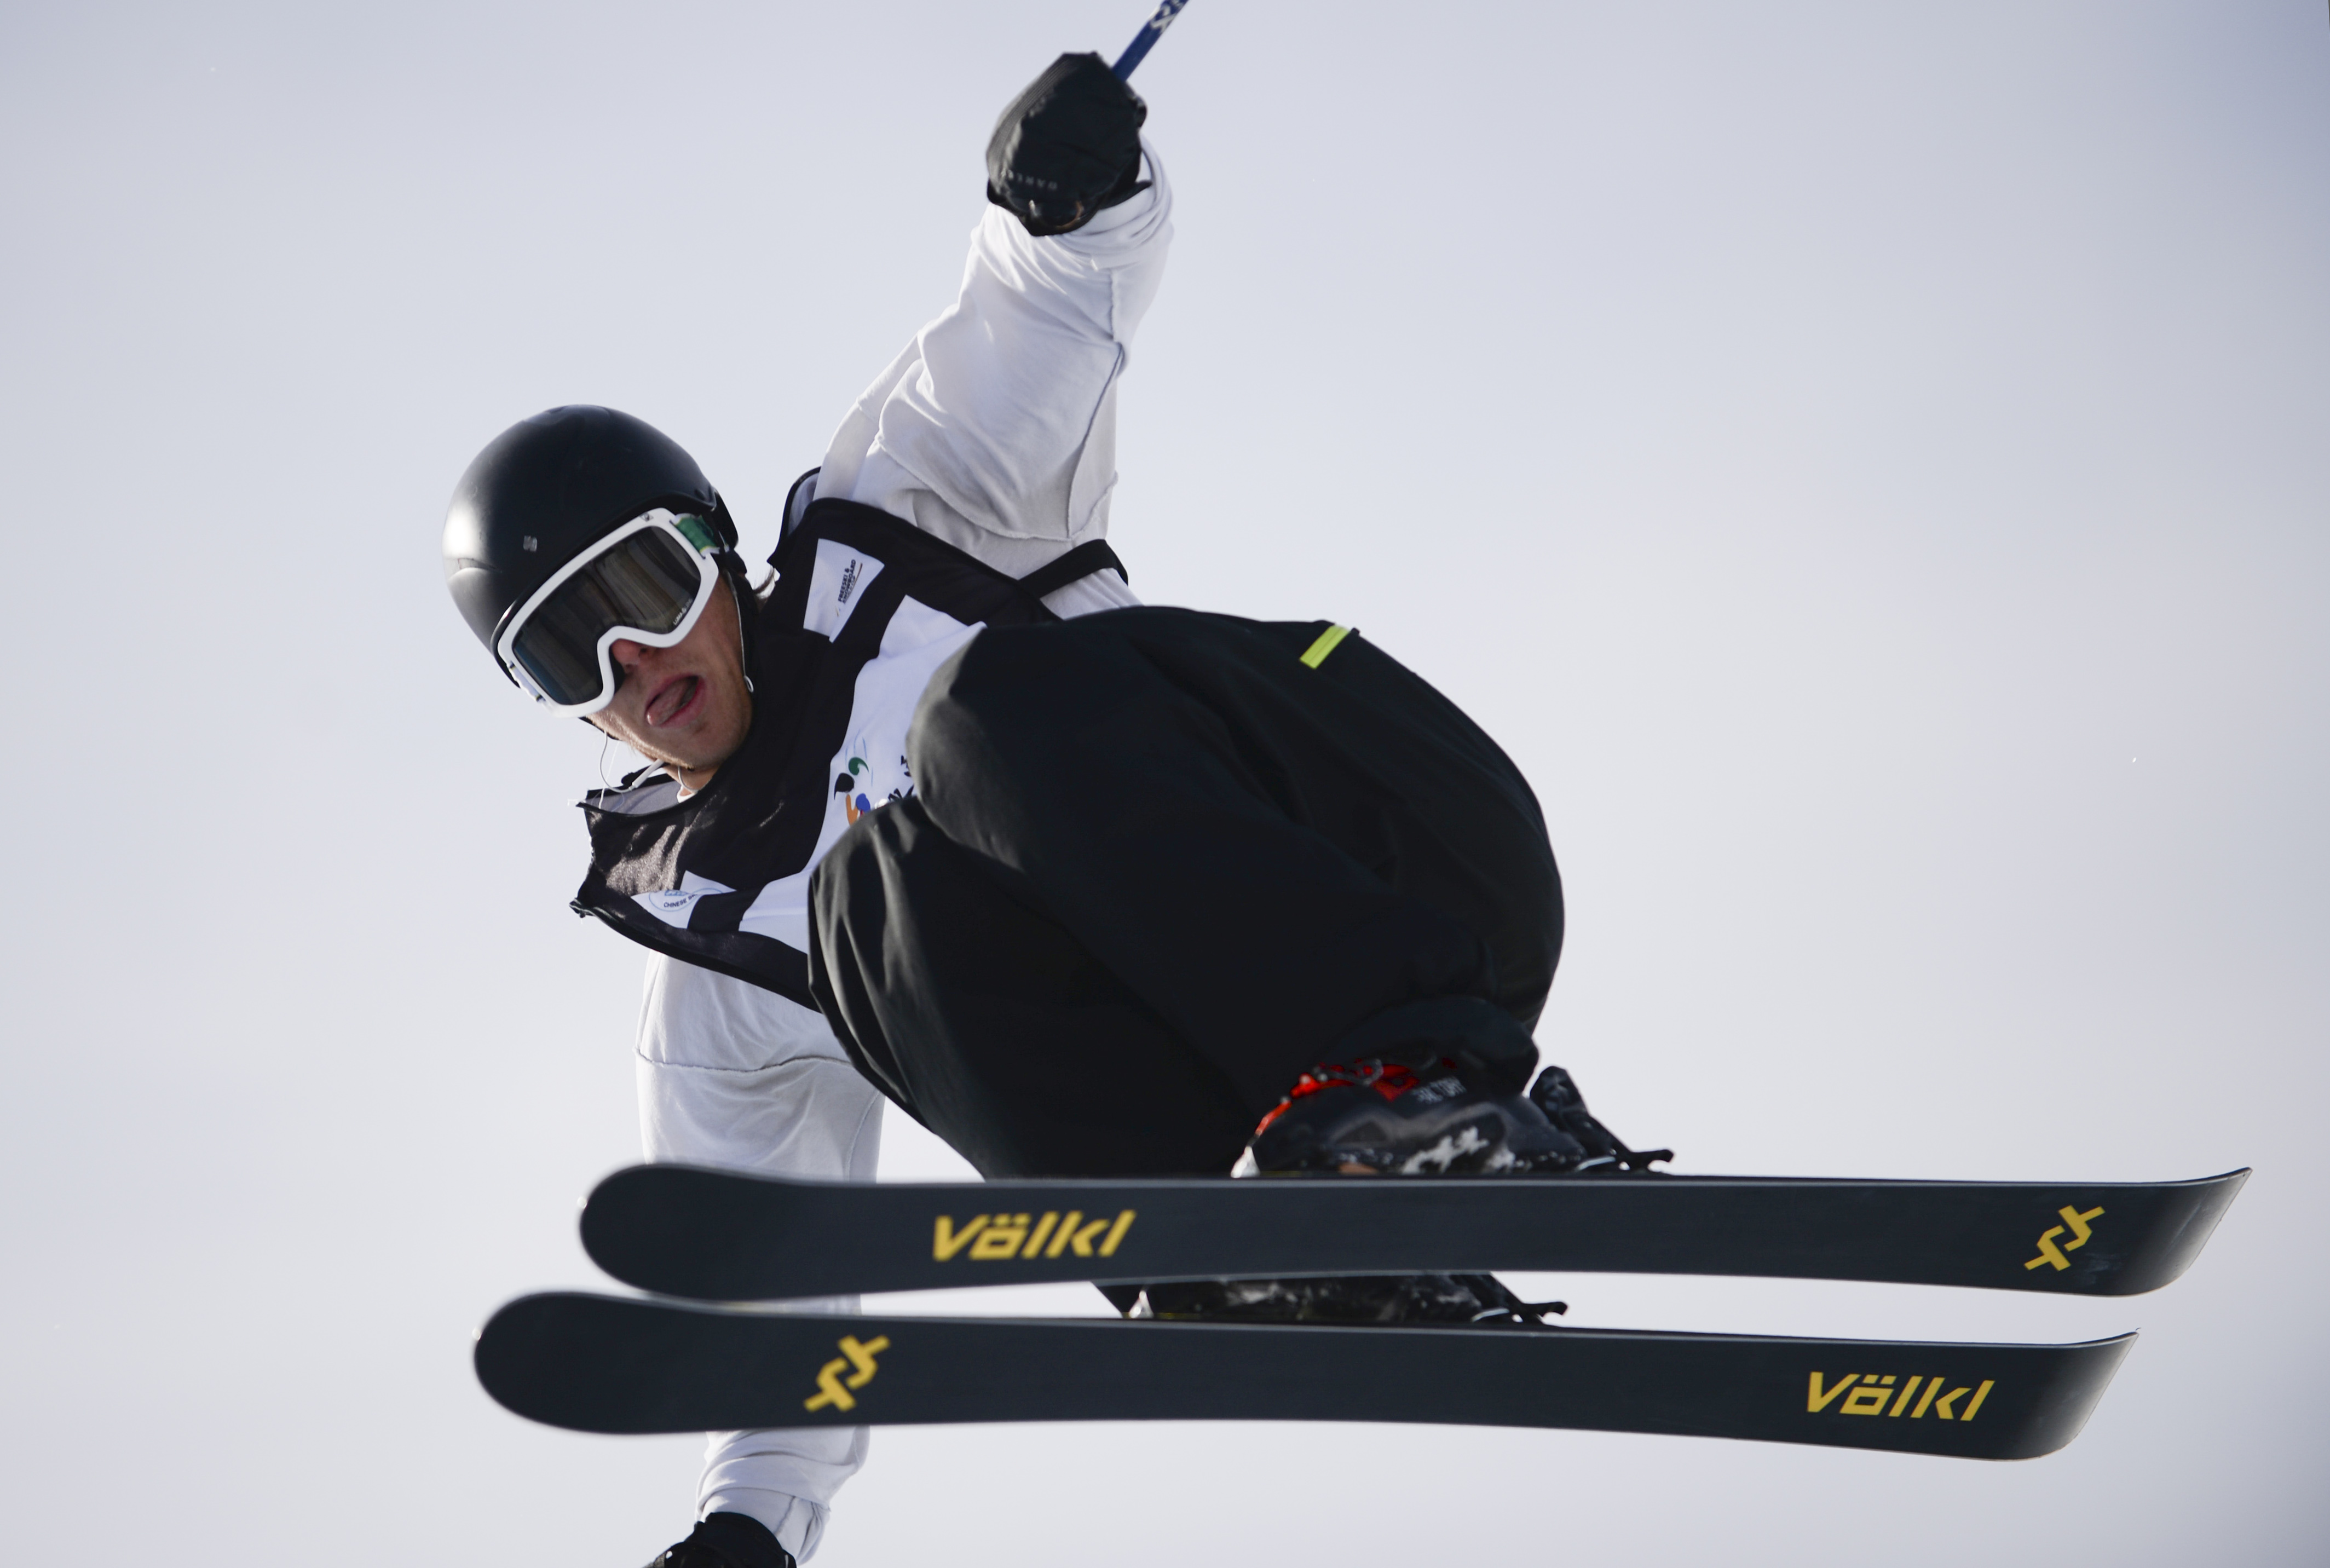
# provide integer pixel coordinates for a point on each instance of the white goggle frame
(702, 554)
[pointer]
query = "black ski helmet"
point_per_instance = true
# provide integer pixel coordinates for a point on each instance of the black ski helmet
(547, 488)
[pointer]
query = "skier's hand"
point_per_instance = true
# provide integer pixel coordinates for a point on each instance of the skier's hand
(727, 1541)
(1067, 146)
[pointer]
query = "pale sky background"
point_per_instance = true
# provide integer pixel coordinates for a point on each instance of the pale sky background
(1869, 463)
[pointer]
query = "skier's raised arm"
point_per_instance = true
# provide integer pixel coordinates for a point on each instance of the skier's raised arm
(996, 428)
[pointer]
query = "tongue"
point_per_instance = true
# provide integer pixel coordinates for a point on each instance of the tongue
(682, 692)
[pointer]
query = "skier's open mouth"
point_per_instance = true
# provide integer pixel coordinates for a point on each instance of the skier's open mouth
(673, 702)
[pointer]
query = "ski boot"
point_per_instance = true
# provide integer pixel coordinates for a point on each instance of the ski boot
(1374, 1118)
(1445, 1104)
(727, 1541)
(1440, 1098)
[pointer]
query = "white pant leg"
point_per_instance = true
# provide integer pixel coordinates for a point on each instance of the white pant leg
(738, 1078)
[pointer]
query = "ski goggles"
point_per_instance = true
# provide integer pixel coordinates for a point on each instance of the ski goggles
(648, 582)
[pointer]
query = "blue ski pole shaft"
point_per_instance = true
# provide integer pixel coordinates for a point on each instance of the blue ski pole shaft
(1146, 39)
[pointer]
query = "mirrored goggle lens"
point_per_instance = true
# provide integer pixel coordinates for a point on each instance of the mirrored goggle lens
(645, 583)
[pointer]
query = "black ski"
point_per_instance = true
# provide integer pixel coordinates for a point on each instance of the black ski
(721, 1237)
(603, 1364)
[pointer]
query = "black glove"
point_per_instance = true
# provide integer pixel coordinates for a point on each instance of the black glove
(727, 1541)
(1067, 146)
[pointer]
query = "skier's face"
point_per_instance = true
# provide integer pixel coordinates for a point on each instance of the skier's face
(685, 704)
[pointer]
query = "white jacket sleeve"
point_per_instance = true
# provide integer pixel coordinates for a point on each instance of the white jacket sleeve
(996, 428)
(736, 1076)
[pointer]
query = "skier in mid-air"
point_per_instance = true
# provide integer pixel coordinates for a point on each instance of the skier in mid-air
(942, 811)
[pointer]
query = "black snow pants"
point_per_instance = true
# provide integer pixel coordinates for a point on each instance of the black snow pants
(1156, 865)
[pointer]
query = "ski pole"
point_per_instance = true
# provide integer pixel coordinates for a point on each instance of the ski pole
(1146, 39)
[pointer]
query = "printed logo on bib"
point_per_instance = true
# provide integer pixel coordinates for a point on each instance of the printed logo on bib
(675, 905)
(836, 586)
(858, 787)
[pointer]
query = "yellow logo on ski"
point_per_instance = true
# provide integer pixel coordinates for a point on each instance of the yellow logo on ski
(832, 1388)
(992, 1237)
(1877, 1396)
(2078, 1224)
